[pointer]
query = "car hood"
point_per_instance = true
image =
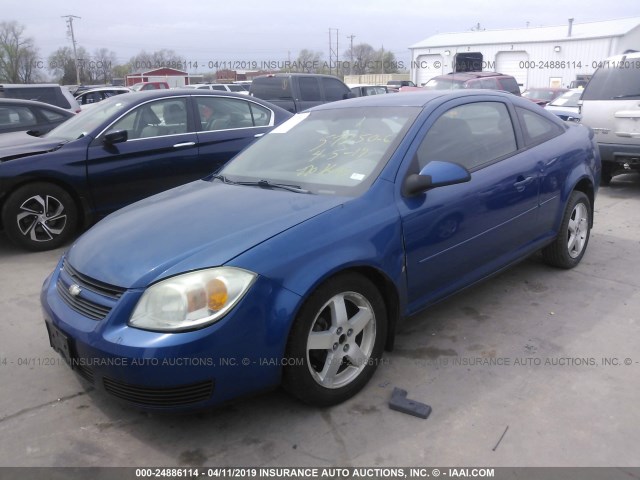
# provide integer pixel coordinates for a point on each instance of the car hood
(21, 144)
(199, 225)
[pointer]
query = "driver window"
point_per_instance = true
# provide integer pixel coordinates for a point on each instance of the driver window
(155, 119)
(470, 135)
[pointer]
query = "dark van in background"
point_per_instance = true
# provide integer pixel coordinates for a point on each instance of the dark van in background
(296, 92)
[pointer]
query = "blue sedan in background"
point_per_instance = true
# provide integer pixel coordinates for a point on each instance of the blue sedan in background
(295, 263)
(119, 151)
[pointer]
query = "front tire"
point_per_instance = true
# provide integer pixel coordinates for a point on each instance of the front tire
(39, 216)
(336, 341)
(571, 243)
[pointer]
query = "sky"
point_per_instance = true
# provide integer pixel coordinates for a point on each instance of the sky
(266, 31)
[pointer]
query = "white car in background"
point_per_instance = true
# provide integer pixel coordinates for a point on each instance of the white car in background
(96, 95)
(566, 105)
(610, 105)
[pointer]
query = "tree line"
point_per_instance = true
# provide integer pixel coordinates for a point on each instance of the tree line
(20, 61)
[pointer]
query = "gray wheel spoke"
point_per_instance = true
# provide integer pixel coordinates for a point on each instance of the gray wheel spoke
(21, 216)
(330, 370)
(321, 340)
(356, 356)
(360, 320)
(53, 204)
(338, 311)
(51, 232)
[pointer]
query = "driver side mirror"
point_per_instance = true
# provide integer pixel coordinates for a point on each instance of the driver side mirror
(116, 136)
(435, 174)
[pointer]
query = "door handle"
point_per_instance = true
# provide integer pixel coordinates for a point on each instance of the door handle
(185, 144)
(522, 183)
(258, 135)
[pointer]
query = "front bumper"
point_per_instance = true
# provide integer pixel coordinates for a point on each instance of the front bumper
(239, 355)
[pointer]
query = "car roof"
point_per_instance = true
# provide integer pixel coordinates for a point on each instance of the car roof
(33, 103)
(294, 75)
(471, 75)
(28, 85)
(144, 95)
(415, 98)
(103, 89)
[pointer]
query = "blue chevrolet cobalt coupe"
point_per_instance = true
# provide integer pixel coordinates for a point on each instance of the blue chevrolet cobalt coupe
(119, 151)
(294, 264)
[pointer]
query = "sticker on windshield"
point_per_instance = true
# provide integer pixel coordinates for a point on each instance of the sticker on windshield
(357, 176)
(289, 124)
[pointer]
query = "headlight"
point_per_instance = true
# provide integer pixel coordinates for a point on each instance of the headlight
(192, 300)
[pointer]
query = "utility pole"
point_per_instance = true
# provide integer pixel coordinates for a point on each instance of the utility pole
(73, 41)
(351, 37)
(333, 52)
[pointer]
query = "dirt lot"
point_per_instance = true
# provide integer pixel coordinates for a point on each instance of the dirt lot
(552, 355)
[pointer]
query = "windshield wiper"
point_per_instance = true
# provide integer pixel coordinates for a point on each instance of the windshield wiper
(223, 178)
(261, 183)
(268, 184)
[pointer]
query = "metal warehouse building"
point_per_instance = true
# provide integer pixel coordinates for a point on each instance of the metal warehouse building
(536, 57)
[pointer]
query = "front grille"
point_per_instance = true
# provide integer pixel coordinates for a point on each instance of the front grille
(89, 307)
(159, 397)
(95, 286)
(85, 372)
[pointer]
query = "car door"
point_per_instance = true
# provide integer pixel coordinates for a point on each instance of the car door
(541, 137)
(457, 234)
(161, 152)
(226, 125)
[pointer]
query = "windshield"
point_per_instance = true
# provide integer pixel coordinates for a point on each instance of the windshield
(88, 120)
(568, 99)
(444, 84)
(333, 152)
(540, 94)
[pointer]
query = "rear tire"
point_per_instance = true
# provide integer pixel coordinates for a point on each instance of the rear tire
(40, 216)
(336, 342)
(568, 248)
(605, 175)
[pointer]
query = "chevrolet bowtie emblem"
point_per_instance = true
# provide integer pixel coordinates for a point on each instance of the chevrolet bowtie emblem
(75, 290)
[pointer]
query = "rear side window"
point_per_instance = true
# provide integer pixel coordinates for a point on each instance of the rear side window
(271, 88)
(489, 83)
(309, 89)
(536, 128)
(614, 83)
(220, 113)
(51, 115)
(16, 117)
(333, 89)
